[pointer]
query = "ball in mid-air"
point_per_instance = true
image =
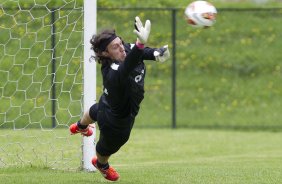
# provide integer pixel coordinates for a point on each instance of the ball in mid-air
(200, 14)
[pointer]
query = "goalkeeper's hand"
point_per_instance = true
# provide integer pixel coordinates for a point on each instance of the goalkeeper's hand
(142, 32)
(162, 54)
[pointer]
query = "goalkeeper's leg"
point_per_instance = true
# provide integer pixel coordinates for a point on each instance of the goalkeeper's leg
(82, 126)
(106, 170)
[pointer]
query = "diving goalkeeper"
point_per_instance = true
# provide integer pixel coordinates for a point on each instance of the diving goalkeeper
(123, 72)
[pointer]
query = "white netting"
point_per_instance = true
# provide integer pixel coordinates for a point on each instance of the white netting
(41, 50)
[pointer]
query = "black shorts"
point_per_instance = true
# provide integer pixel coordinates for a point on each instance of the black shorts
(93, 112)
(114, 132)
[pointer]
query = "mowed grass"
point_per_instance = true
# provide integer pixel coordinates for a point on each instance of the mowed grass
(176, 156)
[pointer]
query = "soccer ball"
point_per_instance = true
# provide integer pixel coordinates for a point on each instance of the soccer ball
(200, 14)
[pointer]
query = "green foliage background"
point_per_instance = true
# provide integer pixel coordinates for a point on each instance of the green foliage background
(228, 76)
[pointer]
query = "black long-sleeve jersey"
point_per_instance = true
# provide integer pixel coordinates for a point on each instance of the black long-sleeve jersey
(123, 82)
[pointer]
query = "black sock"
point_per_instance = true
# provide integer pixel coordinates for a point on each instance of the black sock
(81, 126)
(103, 166)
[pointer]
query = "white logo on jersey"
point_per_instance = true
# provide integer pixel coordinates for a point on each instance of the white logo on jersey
(138, 78)
(106, 91)
(114, 66)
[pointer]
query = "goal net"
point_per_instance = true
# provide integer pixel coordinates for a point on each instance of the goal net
(42, 82)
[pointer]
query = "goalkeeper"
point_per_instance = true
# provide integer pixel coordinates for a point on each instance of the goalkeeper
(123, 72)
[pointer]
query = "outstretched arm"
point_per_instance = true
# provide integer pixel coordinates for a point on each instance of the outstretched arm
(162, 54)
(135, 56)
(158, 54)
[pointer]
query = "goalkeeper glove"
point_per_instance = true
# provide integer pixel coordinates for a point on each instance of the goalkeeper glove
(142, 32)
(162, 54)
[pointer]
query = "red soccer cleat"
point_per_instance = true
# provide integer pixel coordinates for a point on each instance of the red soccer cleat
(110, 173)
(85, 132)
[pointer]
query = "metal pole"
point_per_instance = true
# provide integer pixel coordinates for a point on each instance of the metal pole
(53, 74)
(173, 68)
(89, 79)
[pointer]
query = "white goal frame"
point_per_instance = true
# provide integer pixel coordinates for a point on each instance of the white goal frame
(48, 80)
(89, 79)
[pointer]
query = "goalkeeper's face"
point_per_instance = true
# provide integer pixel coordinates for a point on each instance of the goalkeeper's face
(115, 50)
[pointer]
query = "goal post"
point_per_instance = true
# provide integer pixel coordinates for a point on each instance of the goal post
(89, 79)
(47, 81)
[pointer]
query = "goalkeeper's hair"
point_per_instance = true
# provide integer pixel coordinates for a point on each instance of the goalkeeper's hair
(99, 43)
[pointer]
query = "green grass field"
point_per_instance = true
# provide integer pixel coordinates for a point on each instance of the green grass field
(177, 156)
(228, 89)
